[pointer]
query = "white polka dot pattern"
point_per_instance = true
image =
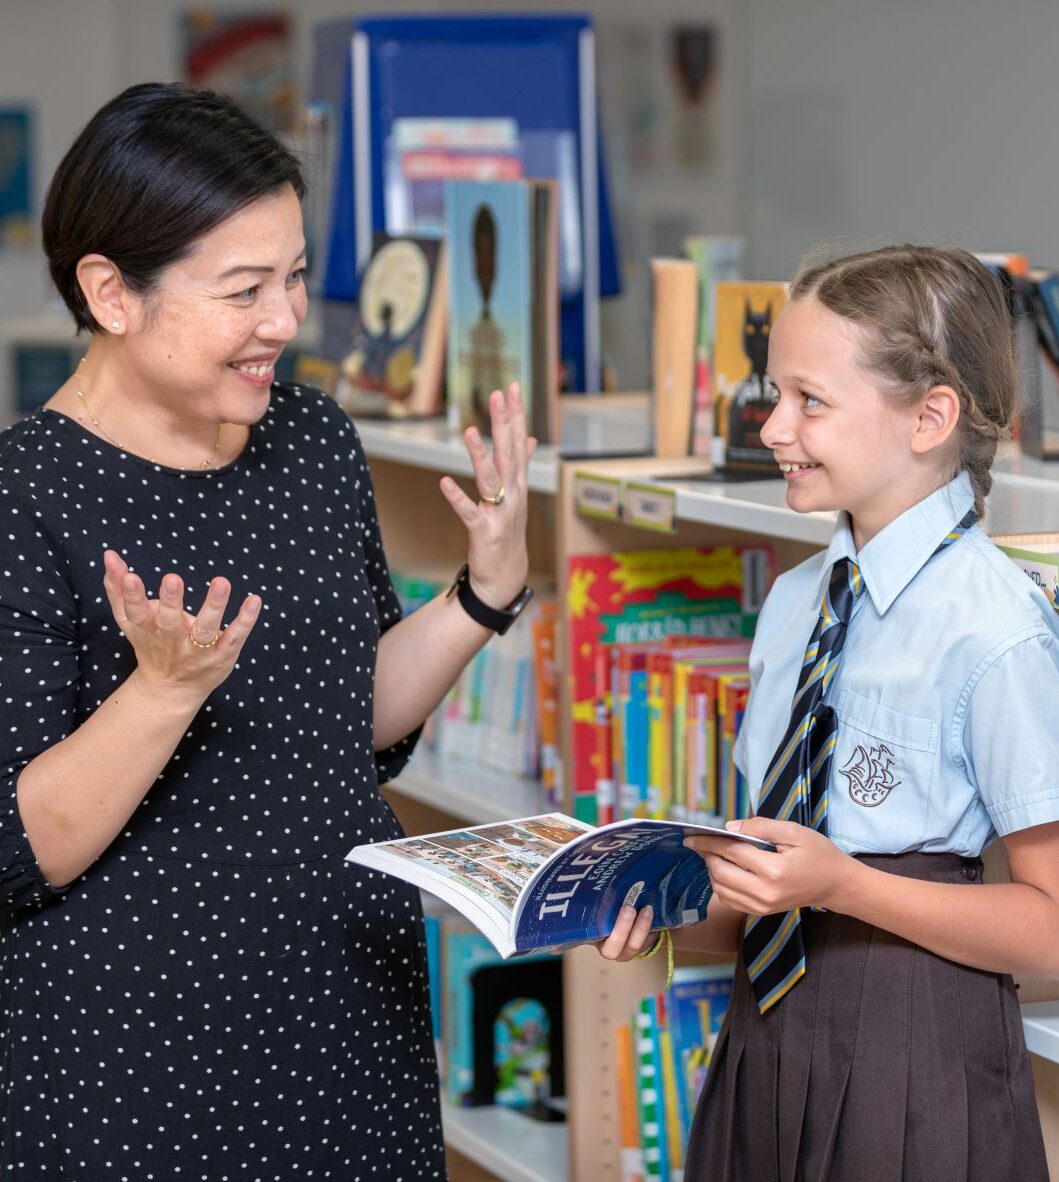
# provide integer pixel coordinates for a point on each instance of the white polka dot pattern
(219, 996)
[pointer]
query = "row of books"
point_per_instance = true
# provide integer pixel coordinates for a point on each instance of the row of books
(497, 1024)
(662, 1055)
(666, 720)
(454, 317)
(657, 643)
(503, 710)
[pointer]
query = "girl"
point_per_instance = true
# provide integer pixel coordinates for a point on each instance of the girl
(902, 711)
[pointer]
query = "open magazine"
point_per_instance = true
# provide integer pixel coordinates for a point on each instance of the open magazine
(552, 882)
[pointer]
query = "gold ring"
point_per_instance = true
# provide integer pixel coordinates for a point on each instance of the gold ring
(199, 644)
(497, 500)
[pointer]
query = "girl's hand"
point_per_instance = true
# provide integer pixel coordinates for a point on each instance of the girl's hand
(163, 634)
(630, 935)
(807, 870)
(497, 558)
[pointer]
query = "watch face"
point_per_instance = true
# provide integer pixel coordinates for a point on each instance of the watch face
(394, 290)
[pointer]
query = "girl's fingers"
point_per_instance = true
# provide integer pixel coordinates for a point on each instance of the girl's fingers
(641, 931)
(170, 617)
(207, 623)
(630, 934)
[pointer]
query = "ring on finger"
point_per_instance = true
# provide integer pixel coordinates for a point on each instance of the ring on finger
(497, 500)
(193, 639)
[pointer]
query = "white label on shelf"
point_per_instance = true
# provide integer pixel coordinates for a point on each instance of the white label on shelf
(597, 496)
(651, 508)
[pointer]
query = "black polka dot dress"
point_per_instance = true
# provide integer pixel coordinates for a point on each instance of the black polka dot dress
(220, 996)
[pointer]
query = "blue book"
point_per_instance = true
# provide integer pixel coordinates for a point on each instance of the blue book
(698, 1001)
(548, 882)
(503, 299)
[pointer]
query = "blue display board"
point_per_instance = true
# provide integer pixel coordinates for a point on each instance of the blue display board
(537, 71)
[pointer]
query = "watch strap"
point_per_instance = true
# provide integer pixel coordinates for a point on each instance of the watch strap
(496, 619)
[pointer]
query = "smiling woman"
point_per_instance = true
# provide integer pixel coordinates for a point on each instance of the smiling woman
(185, 956)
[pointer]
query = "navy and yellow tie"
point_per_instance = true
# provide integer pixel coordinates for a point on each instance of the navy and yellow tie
(795, 787)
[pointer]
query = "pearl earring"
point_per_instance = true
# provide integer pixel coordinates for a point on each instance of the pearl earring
(115, 324)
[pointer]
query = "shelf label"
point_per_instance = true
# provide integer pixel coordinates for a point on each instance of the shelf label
(649, 507)
(597, 496)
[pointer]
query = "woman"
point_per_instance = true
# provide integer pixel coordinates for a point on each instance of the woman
(195, 985)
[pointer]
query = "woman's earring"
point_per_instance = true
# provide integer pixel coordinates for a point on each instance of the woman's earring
(115, 324)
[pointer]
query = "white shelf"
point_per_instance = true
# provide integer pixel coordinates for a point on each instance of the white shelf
(757, 506)
(1040, 1020)
(474, 794)
(427, 443)
(512, 1146)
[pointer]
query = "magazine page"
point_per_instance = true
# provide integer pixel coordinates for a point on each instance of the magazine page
(479, 870)
(575, 897)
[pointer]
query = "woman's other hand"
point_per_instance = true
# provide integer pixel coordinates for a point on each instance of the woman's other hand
(177, 652)
(497, 558)
(630, 935)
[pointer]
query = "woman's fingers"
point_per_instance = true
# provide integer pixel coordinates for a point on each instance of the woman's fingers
(466, 509)
(630, 934)
(519, 450)
(486, 474)
(239, 629)
(170, 616)
(207, 623)
(134, 599)
(502, 430)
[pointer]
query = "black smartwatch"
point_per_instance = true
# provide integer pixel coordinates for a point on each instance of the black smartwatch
(499, 619)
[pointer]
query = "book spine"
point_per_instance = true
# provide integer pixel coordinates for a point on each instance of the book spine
(649, 1091)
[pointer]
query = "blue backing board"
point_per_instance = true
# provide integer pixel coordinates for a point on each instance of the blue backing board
(522, 67)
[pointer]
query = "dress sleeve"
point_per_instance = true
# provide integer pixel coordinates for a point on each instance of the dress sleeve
(1010, 742)
(390, 760)
(39, 673)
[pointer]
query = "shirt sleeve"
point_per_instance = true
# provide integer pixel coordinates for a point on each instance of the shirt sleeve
(1010, 741)
(390, 760)
(39, 674)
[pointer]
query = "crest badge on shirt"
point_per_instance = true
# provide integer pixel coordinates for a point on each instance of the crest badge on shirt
(869, 775)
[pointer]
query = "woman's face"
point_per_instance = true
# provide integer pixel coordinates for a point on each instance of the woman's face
(205, 342)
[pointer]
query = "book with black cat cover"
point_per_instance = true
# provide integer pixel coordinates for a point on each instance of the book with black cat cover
(745, 314)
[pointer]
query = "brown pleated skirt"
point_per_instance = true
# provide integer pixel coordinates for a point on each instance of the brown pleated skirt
(885, 1063)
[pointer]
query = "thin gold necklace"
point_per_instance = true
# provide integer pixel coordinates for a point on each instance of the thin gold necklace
(203, 465)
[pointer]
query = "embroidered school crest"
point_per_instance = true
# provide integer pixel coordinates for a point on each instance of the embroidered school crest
(870, 775)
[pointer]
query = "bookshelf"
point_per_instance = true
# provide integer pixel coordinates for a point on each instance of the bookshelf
(406, 461)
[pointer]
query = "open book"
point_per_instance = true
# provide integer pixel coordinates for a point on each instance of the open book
(552, 882)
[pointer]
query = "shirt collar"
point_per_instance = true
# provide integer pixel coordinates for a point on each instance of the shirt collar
(892, 559)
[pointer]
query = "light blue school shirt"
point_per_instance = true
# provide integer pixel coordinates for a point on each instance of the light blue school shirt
(947, 692)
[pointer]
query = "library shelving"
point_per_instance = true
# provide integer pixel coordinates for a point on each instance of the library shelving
(420, 529)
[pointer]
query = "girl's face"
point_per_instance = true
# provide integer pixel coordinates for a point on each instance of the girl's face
(206, 341)
(841, 442)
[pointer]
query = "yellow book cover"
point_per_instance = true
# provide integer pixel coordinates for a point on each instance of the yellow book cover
(659, 735)
(670, 1103)
(745, 313)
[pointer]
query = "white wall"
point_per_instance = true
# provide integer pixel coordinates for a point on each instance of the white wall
(929, 120)
(67, 57)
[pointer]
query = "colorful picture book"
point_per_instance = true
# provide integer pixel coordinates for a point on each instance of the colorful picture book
(644, 598)
(388, 350)
(745, 313)
(550, 882)
(504, 299)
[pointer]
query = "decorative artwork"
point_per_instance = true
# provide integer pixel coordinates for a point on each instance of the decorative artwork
(246, 56)
(16, 223)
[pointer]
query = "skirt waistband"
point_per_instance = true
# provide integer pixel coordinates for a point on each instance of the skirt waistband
(929, 867)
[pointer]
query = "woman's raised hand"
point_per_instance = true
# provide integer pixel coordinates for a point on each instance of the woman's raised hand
(177, 652)
(496, 524)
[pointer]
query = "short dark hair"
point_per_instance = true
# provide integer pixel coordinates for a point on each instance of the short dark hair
(154, 170)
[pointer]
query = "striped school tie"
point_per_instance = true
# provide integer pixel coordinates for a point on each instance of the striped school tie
(795, 787)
